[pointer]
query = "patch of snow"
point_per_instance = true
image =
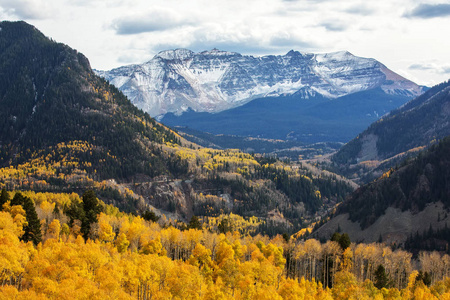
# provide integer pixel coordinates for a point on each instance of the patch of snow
(180, 54)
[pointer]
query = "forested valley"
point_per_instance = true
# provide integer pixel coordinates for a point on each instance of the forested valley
(100, 201)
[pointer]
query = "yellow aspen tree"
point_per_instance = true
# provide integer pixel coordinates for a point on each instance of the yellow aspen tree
(105, 230)
(93, 257)
(76, 228)
(345, 286)
(313, 250)
(14, 257)
(13, 222)
(201, 258)
(227, 266)
(347, 260)
(65, 232)
(186, 282)
(290, 289)
(122, 243)
(54, 229)
(135, 230)
(153, 247)
(46, 209)
(408, 292)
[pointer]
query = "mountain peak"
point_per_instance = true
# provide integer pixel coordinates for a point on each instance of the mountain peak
(217, 52)
(177, 54)
(341, 56)
(294, 53)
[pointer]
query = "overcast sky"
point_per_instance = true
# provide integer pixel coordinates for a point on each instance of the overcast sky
(411, 37)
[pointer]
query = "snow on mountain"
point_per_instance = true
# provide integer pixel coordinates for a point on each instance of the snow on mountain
(213, 81)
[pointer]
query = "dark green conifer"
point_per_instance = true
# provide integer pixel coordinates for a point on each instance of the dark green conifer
(91, 209)
(4, 197)
(32, 231)
(344, 241)
(424, 277)
(194, 223)
(381, 278)
(150, 216)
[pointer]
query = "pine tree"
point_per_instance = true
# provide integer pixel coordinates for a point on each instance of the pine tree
(381, 278)
(194, 223)
(17, 199)
(425, 277)
(32, 231)
(4, 197)
(91, 209)
(150, 216)
(344, 241)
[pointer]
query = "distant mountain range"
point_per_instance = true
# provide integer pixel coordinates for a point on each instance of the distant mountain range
(303, 96)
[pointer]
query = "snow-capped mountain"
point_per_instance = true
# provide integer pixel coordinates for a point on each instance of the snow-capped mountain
(213, 81)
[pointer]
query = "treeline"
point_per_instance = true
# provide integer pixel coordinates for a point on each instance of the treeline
(128, 257)
(430, 240)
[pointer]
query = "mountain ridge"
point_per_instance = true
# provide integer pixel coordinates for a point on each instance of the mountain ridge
(413, 126)
(49, 95)
(213, 81)
(408, 199)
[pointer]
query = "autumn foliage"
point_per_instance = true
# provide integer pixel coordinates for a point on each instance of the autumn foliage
(127, 257)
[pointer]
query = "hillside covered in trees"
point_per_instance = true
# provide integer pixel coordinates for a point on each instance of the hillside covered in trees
(51, 102)
(408, 205)
(398, 135)
(411, 186)
(122, 256)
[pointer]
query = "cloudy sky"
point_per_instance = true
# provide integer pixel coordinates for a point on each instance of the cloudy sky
(408, 36)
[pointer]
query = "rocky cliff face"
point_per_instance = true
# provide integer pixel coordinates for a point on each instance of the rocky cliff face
(213, 81)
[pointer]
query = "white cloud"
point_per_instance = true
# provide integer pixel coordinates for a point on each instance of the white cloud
(428, 11)
(431, 67)
(361, 9)
(334, 25)
(27, 9)
(157, 19)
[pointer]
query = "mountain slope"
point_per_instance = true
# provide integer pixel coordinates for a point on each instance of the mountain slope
(212, 81)
(413, 198)
(63, 128)
(412, 126)
(49, 96)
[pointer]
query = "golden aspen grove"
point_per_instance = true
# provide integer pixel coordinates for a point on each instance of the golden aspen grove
(127, 257)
